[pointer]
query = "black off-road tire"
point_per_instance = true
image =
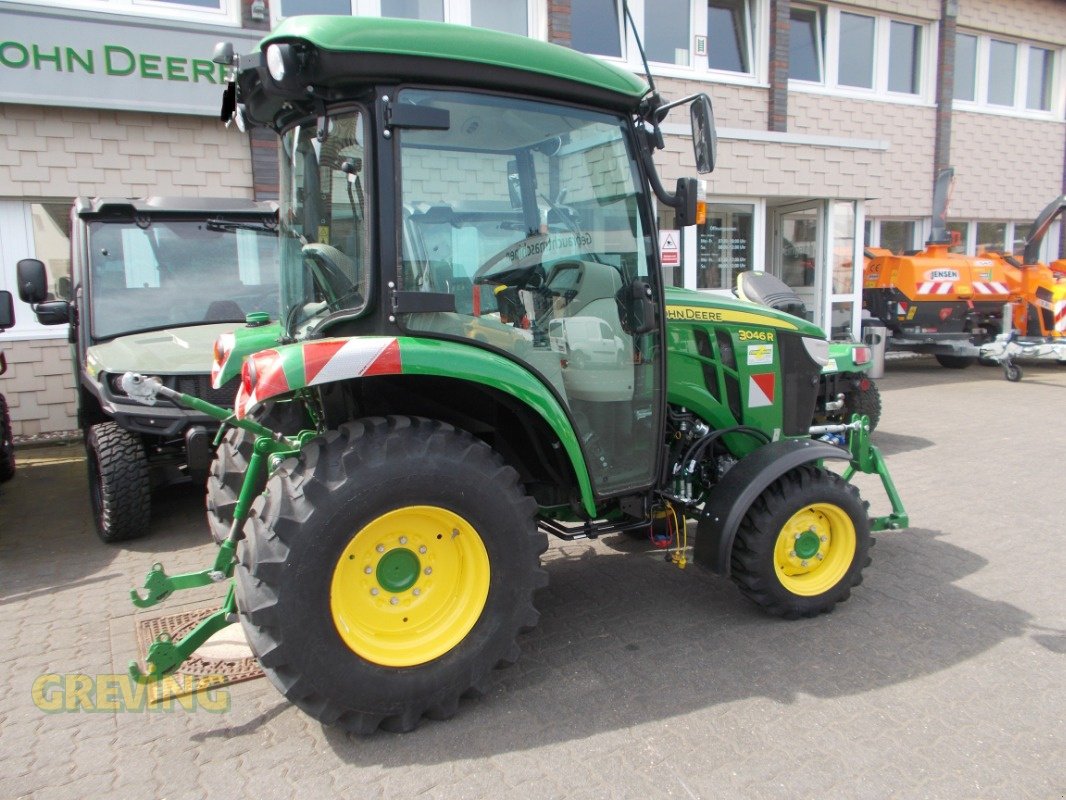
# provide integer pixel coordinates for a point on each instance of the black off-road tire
(863, 401)
(753, 556)
(231, 461)
(7, 443)
(319, 504)
(119, 484)
(955, 362)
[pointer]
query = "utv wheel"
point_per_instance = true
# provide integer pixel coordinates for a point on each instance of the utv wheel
(863, 401)
(955, 362)
(7, 443)
(119, 488)
(1013, 373)
(231, 462)
(388, 570)
(803, 544)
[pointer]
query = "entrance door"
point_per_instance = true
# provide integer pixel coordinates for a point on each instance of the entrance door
(796, 252)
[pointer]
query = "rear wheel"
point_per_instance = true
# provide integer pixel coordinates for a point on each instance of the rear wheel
(955, 362)
(863, 399)
(388, 570)
(7, 443)
(119, 485)
(803, 544)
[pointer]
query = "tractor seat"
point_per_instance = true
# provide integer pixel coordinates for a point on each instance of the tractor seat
(772, 292)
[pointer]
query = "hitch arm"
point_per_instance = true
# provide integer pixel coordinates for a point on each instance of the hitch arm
(865, 457)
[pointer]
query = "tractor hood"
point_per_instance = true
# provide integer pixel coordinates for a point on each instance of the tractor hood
(171, 351)
(687, 305)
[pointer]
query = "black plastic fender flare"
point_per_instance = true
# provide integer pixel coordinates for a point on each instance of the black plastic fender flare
(729, 500)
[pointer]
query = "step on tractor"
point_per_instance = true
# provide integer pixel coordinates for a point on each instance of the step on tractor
(7, 433)
(477, 351)
(934, 301)
(846, 386)
(153, 283)
(1037, 306)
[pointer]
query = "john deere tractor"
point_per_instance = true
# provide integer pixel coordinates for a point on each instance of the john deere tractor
(476, 351)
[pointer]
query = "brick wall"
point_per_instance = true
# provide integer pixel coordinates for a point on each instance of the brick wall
(990, 152)
(58, 153)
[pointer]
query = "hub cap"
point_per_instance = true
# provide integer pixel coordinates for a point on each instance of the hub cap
(410, 586)
(815, 549)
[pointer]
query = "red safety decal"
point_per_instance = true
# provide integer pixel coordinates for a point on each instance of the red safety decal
(761, 390)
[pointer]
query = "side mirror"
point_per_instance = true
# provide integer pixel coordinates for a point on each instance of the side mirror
(7, 310)
(637, 309)
(685, 205)
(704, 135)
(32, 280)
(53, 312)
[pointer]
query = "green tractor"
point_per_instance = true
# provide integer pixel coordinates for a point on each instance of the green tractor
(476, 351)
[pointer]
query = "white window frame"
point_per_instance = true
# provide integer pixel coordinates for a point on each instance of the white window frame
(830, 43)
(1049, 247)
(820, 16)
(875, 230)
(980, 102)
(456, 12)
(228, 13)
(16, 243)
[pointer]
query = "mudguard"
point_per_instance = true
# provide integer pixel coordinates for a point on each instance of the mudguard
(729, 500)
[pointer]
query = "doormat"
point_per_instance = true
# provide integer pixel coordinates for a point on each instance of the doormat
(223, 659)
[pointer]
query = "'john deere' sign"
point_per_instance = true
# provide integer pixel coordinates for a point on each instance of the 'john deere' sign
(93, 60)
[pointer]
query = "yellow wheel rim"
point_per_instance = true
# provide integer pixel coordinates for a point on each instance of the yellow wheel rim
(815, 549)
(410, 586)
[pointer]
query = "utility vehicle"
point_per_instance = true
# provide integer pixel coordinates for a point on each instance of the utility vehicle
(477, 350)
(153, 284)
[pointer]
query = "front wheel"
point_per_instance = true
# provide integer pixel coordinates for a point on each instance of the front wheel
(388, 569)
(119, 484)
(803, 544)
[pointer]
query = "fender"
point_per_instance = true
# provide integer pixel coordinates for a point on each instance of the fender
(290, 367)
(729, 500)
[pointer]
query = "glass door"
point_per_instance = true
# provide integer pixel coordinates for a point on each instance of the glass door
(796, 253)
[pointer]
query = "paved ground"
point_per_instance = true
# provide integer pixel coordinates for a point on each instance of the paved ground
(942, 677)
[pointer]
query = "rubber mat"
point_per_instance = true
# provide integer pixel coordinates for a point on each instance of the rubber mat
(222, 660)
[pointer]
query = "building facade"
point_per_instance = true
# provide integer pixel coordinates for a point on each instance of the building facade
(833, 119)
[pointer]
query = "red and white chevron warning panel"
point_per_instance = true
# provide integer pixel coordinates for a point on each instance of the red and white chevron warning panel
(990, 287)
(1060, 317)
(936, 287)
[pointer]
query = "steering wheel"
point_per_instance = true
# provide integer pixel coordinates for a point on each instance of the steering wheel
(519, 264)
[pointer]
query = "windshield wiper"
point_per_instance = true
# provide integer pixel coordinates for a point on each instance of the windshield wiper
(231, 224)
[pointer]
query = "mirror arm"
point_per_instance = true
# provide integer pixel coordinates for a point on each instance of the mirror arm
(663, 110)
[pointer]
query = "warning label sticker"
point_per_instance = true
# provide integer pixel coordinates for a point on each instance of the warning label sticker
(761, 390)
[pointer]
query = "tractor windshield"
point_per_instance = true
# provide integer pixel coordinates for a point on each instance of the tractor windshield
(153, 274)
(528, 214)
(323, 219)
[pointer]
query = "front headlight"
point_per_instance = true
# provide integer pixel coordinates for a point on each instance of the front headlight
(817, 349)
(276, 62)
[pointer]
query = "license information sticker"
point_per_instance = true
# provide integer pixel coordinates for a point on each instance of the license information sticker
(760, 355)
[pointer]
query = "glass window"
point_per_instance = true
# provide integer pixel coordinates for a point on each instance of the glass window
(51, 244)
(1021, 233)
(724, 245)
(509, 16)
(666, 31)
(898, 235)
(843, 247)
(1002, 60)
(840, 320)
(432, 10)
(727, 35)
(805, 45)
(965, 67)
(856, 61)
(1038, 91)
(594, 27)
(904, 51)
(295, 8)
(539, 254)
(959, 232)
(991, 237)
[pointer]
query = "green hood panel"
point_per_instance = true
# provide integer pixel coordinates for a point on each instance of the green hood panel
(418, 39)
(842, 359)
(172, 351)
(687, 305)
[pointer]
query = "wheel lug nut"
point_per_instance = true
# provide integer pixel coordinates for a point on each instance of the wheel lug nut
(417, 592)
(792, 553)
(368, 570)
(422, 549)
(394, 600)
(403, 540)
(380, 548)
(823, 538)
(820, 556)
(429, 570)
(374, 592)
(803, 563)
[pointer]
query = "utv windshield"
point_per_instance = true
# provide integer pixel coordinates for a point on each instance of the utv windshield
(176, 273)
(323, 219)
(528, 214)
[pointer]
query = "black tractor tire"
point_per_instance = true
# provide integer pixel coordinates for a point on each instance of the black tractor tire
(7, 443)
(302, 584)
(955, 362)
(119, 483)
(766, 560)
(231, 461)
(863, 401)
